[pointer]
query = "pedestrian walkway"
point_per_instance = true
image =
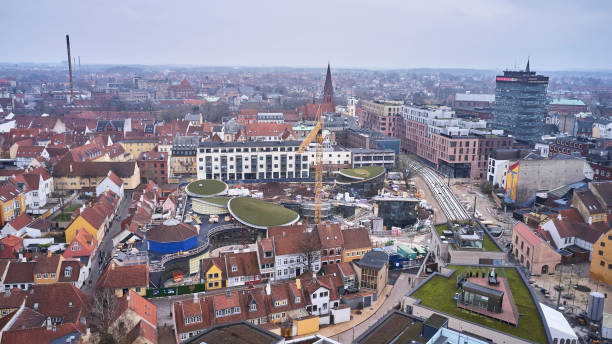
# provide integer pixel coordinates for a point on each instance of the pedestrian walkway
(347, 332)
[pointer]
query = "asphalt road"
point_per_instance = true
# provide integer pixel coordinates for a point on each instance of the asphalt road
(400, 288)
(107, 242)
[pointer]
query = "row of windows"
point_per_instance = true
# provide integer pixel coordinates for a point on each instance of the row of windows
(249, 149)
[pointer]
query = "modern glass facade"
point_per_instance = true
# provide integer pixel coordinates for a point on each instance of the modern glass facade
(520, 104)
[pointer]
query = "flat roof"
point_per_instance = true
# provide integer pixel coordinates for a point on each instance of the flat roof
(394, 327)
(215, 144)
(436, 293)
(237, 333)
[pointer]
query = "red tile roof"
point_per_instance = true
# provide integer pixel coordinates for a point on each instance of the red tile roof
(139, 305)
(528, 235)
(21, 221)
(86, 242)
(128, 276)
(245, 262)
(355, 238)
(59, 300)
(40, 335)
(12, 298)
(293, 239)
(75, 267)
(46, 264)
(29, 151)
(330, 235)
(9, 191)
(20, 272)
(267, 129)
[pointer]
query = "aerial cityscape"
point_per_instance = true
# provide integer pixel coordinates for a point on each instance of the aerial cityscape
(306, 173)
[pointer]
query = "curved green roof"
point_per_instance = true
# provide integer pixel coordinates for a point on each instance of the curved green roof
(259, 214)
(206, 188)
(363, 173)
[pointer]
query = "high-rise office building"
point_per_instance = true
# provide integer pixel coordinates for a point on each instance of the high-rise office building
(520, 104)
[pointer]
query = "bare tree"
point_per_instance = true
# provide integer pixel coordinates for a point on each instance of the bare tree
(309, 245)
(105, 313)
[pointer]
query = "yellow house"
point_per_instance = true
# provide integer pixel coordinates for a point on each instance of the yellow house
(47, 268)
(12, 201)
(76, 175)
(92, 220)
(214, 273)
(356, 243)
(601, 260)
(307, 325)
(137, 146)
(122, 279)
(588, 206)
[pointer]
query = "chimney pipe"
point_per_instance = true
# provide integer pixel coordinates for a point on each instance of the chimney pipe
(70, 69)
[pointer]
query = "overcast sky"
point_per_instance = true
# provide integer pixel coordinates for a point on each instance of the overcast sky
(558, 35)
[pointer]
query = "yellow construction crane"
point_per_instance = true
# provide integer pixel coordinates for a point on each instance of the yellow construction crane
(316, 134)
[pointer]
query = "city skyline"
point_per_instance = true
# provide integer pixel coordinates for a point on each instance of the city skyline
(473, 35)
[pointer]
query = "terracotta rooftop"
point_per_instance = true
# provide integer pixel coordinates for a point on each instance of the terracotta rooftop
(116, 276)
(355, 238)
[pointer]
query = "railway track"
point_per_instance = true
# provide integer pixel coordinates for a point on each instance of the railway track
(450, 205)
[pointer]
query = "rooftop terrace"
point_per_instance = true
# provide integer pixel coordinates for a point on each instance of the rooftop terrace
(438, 291)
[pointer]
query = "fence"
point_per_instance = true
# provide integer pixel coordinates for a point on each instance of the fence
(173, 291)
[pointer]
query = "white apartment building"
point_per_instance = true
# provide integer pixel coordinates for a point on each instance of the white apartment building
(370, 157)
(293, 265)
(270, 117)
(497, 171)
(251, 160)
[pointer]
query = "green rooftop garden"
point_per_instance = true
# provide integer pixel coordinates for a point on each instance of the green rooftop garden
(530, 325)
(218, 200)
(206, 187)
(258, 213)
(365, 172)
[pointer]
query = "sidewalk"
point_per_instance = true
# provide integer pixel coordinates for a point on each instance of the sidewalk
(357, 319)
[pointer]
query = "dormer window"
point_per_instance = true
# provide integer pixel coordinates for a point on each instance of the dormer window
(253, 307)
(234, 268)
(68, 272)
(297, 299)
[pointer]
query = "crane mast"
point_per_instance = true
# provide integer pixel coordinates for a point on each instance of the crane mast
(316, 134)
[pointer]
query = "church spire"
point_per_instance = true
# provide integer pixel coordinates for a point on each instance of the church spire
(328, 90)
(527, 68)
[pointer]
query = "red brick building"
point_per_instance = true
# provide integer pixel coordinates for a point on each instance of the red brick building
(153, 166)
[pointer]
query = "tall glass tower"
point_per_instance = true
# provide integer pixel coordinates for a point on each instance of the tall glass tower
(520, 104)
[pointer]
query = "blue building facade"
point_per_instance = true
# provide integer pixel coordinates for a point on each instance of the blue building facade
(172, 246)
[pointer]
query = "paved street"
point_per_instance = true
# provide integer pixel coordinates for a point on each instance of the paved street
(107, 242)
(400, 288)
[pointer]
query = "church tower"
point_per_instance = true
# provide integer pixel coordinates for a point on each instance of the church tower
(328, 90)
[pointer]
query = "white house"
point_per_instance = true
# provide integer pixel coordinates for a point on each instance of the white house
(19, 227)
(567, 228)
(242, 268)
(38, 186)
(319, 299)
(113, 183)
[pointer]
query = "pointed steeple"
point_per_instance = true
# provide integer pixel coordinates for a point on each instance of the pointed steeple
(527, 68)
(328, 89)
